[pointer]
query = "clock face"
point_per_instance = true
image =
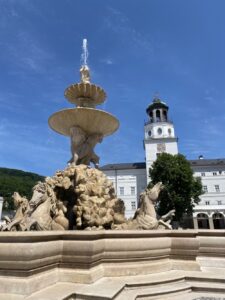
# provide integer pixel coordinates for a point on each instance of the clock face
(161, 148)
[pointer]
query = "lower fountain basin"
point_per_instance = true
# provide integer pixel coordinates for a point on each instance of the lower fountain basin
(113, 265)
(89, 119)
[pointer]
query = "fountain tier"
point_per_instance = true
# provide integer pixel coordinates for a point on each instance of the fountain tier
(85, 94)
(91, 120)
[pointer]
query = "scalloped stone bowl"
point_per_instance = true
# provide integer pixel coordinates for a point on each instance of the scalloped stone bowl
(89, 119)
(78, 92)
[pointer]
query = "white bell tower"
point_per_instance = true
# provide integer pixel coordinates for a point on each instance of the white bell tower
(159, 133)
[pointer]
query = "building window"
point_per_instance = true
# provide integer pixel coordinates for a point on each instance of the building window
(121, 190)
(219, 202)
(133, 205)
(214, 173)
(158, 119)
(217, 188)
(159, 131)
(205, 189)
(132, 190)
(203, 174)
(206, 202)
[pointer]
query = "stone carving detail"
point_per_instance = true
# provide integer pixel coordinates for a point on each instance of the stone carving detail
(145, 217)
(78, 197)
(97, 205)
(81, 197)
(85, 74)
(82, 147)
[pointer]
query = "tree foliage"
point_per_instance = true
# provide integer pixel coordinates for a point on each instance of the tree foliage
(182, 189)
(16, 181)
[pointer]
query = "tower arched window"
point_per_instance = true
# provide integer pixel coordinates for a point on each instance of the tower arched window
(158, 119)
(165, 115)
(151, 116)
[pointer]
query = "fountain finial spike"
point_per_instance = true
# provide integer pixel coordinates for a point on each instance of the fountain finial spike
(84, 70)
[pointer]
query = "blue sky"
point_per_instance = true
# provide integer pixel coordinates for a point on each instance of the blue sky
(137, 48)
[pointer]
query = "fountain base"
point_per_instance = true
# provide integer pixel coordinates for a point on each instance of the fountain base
(112, 265)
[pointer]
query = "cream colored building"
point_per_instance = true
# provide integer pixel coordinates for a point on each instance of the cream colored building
(210, 212)
(159, 136)
(129, 181)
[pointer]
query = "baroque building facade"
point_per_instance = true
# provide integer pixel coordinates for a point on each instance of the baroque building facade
(130, 179)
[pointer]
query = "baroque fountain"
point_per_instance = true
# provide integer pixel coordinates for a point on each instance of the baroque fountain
(81, 197)
(72, 241)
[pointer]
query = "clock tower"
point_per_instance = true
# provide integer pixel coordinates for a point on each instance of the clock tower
(159, 133)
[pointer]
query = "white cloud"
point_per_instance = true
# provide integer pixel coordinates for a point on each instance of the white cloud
(119, 23)
(107, 61)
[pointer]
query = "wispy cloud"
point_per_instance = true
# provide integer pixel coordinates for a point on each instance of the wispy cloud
(119, 23)
(107, 61)
(22, 48)
(29, 54)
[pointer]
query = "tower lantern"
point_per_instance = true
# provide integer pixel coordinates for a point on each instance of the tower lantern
(159, 132)
(157, 111)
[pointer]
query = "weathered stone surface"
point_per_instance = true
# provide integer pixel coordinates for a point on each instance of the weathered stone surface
(118, 262)
(82, 147)
(145, 217)
(79, 197)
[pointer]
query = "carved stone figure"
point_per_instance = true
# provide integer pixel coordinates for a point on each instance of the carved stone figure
(85, 74)
(81, 197)
(82, 147)
(145, 217)
(78, 197)
(21, 204)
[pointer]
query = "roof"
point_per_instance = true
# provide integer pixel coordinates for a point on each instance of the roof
(157, 103)
(142, 165)
(208, 162)
(124, 166)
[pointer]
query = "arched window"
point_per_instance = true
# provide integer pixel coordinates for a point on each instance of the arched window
(151, 116)
(203, 221)
(169, 131)
(165, 115)
(218, 221)
(158, 119)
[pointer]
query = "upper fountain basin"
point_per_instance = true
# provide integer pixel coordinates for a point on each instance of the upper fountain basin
(89, 119)
(85, 94)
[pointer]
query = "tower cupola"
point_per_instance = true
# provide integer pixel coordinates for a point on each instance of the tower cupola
(157, 111)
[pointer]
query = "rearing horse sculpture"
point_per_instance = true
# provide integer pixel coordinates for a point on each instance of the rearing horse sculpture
(145, 217)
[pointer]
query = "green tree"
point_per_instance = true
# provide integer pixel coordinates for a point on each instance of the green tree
(181, 189)
(16, 181)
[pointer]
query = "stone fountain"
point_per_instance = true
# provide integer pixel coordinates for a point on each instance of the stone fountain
(81, 197)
